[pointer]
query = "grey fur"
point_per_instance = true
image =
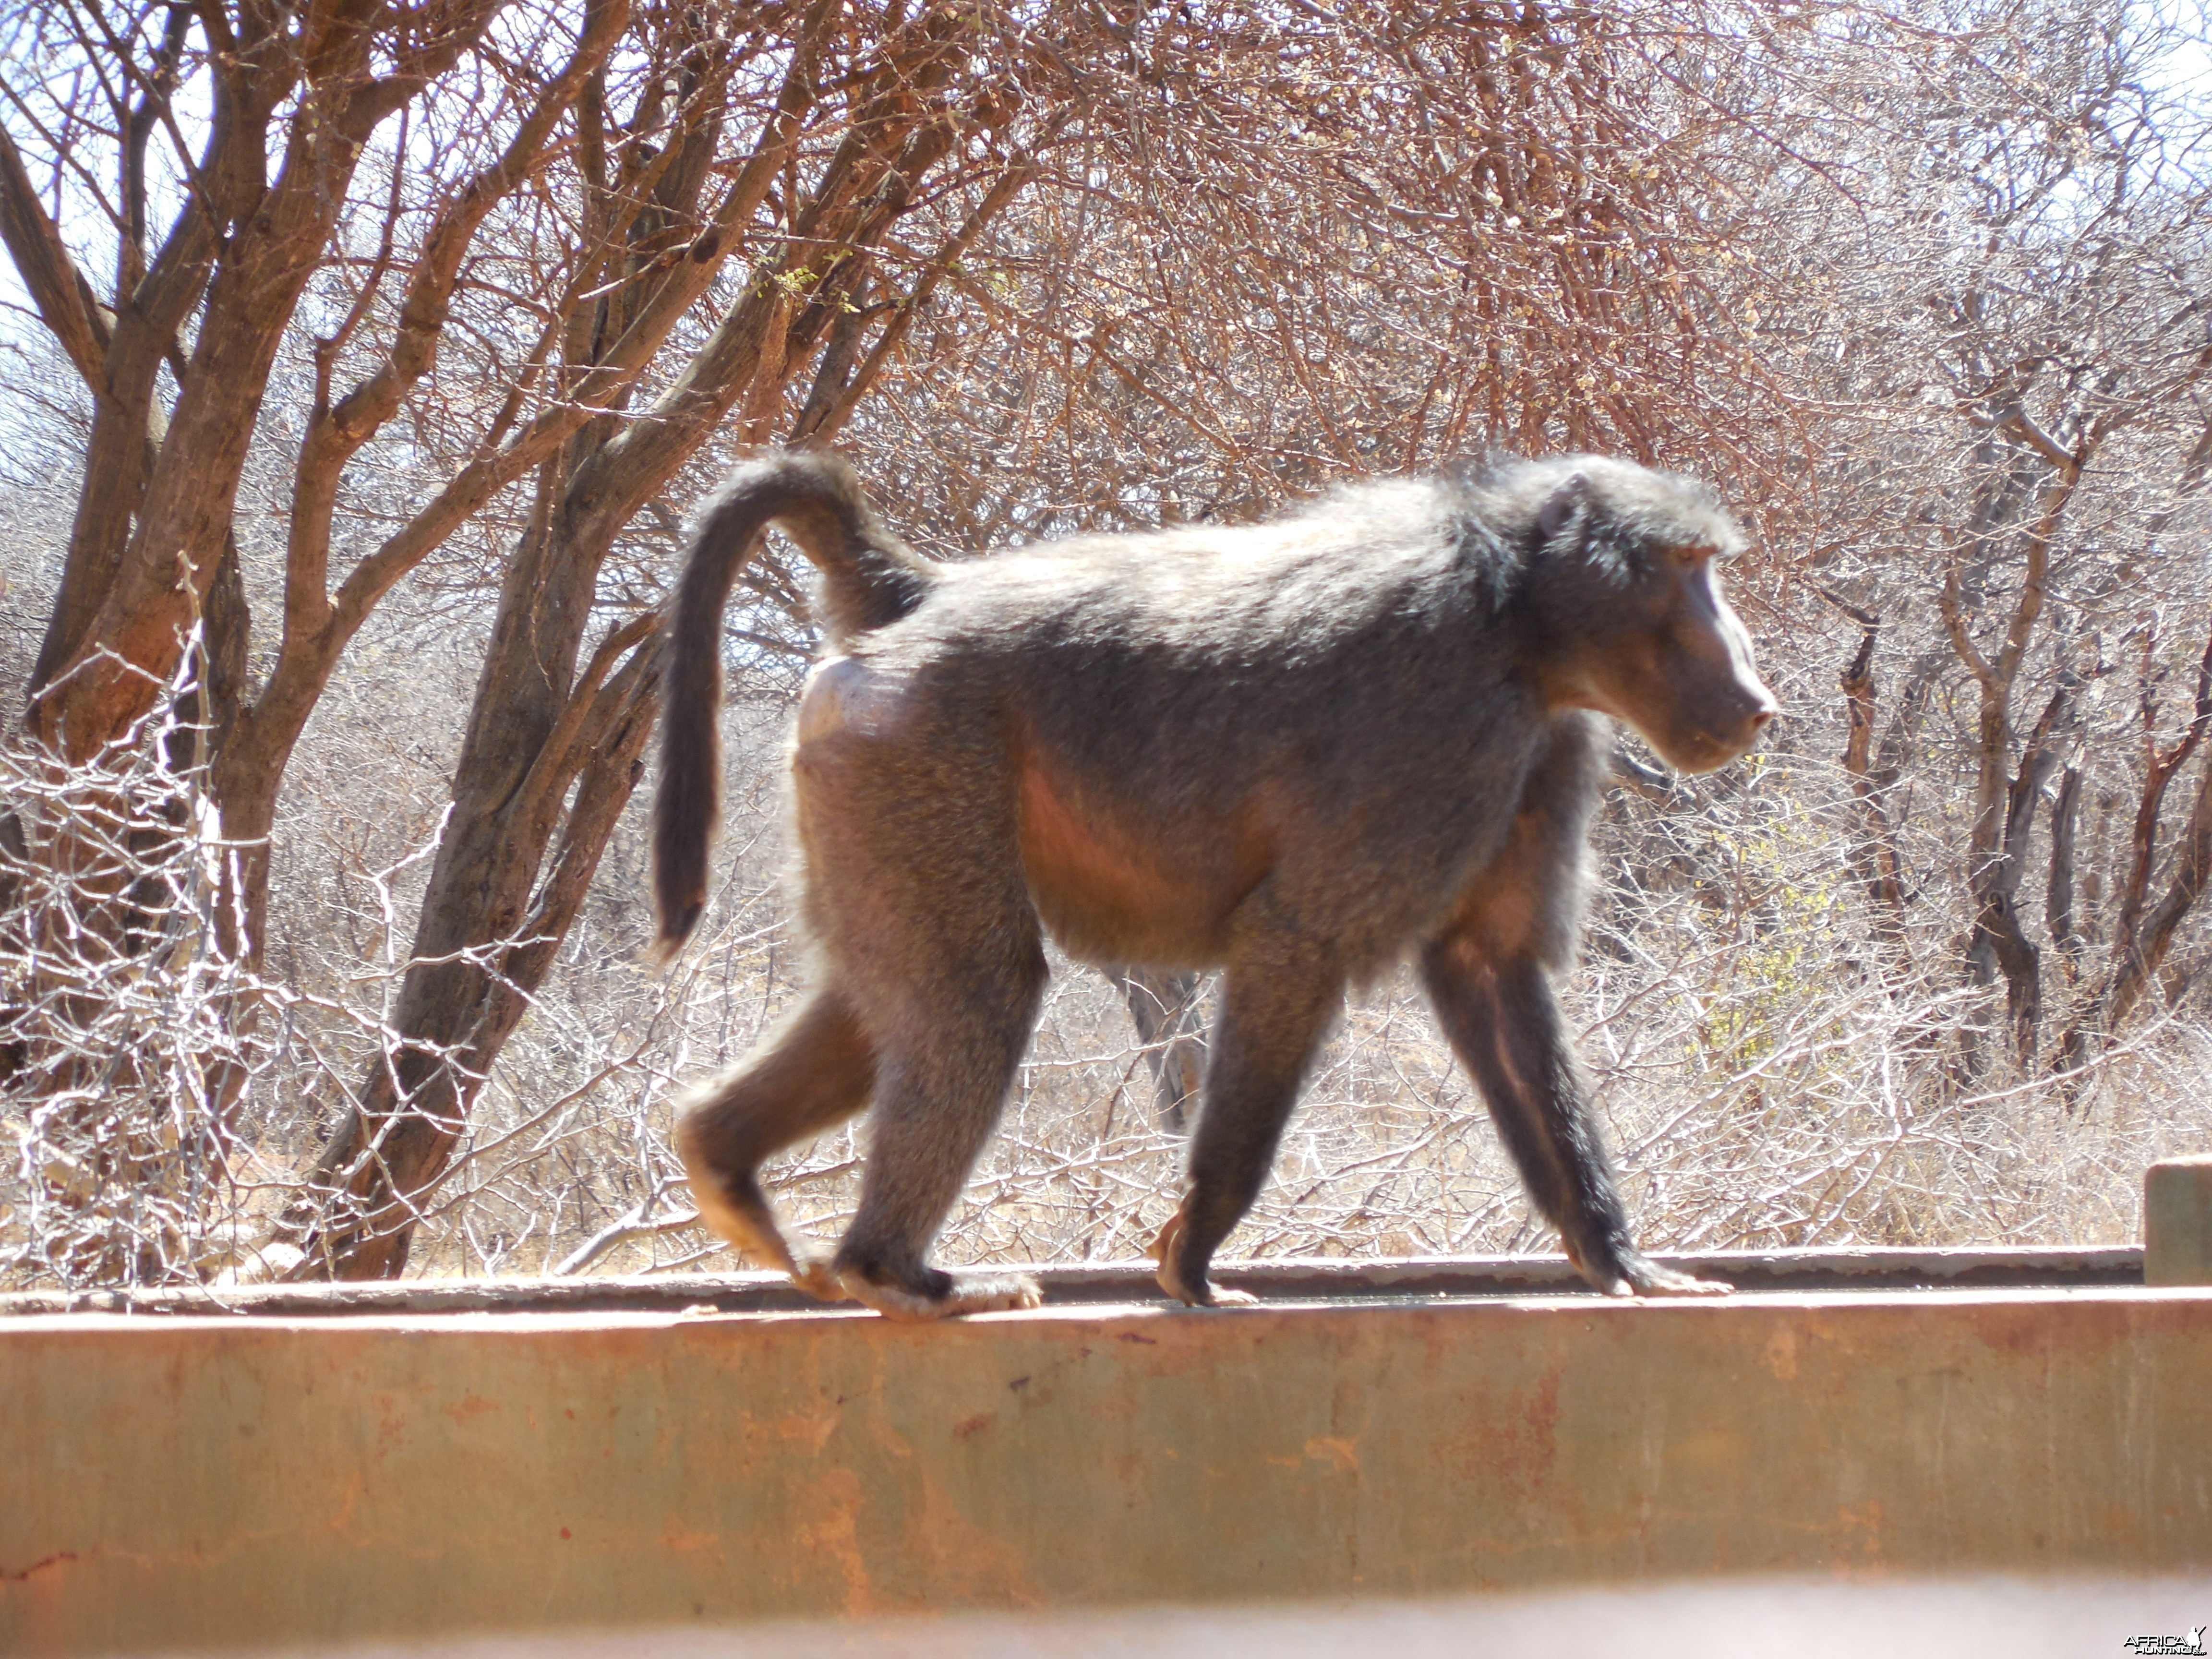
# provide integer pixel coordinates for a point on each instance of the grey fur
(1297, 751)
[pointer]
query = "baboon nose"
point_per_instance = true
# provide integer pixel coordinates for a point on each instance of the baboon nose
(1765, 705)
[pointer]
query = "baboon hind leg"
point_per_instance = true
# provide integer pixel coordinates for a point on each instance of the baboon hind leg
(939, 1094)
(815, 1071)
(1272, 1019)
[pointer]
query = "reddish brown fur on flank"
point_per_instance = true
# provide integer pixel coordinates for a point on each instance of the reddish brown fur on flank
(1299, 751)
(1100, 889)
(1115, 887)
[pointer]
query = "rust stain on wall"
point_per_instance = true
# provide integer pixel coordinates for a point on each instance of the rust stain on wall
(222, 1482)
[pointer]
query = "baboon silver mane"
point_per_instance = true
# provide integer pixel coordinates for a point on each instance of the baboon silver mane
(1299, 751)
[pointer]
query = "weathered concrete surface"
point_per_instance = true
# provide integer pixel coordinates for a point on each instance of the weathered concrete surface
(1282, 1279)
(180, 1482)
(2177, 1222)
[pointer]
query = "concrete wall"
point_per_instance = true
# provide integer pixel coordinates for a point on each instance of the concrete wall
(176, 1481)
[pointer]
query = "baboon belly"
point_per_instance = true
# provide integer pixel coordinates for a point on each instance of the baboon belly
(1110, 897)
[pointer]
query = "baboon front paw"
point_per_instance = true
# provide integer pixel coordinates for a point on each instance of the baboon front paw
(1636, 1274)
(983, 1293)
(1209, 1295)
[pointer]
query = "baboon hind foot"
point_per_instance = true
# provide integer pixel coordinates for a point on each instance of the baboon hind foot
(1184, 1281)
(943, 1295)
(737, 1212)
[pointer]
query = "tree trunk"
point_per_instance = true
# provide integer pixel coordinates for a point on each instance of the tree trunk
(482, 945)
(1165, 1008)
(1873, 851)
(2004, 801)
(2139, 945)
(148, 539)
(2058, 895)
(2141, 950)
(486, 939)
(1999, 943)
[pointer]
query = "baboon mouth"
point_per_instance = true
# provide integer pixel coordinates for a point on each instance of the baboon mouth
(1708, 751)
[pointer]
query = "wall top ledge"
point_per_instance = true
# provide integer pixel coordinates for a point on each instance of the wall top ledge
(1095, 1286)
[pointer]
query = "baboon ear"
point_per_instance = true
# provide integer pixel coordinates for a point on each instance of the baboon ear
(1553, 516)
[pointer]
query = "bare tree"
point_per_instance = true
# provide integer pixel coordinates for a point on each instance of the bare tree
(2015, 316)
(600, 206)
(415, 332)
(552, 751)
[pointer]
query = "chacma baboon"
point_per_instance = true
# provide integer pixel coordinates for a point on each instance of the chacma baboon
(1298, 751)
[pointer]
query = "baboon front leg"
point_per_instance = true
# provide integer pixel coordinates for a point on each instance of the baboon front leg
(814, 1072)
(1503, 1020)
(1269, 1026)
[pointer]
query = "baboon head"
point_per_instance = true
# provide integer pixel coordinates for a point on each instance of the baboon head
(1633, 624)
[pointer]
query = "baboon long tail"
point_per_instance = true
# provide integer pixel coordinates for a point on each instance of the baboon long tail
(870, 577)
